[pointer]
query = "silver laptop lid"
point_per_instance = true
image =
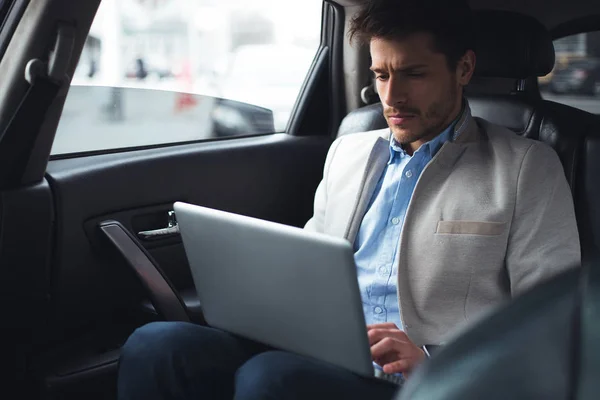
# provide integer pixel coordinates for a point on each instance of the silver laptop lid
(276, 284)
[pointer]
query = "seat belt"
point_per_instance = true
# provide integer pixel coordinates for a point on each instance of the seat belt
(19, 136)
(17, 139)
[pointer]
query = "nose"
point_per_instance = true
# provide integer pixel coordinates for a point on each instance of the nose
(393, 92)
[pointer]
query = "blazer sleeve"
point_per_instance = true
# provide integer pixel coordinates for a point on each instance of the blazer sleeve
(317, 222)
(543, 239)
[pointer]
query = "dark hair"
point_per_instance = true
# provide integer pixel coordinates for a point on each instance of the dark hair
(449, 21)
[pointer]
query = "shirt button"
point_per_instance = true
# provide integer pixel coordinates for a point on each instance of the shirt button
(395, 220)
(409, 174)
(378, 310)
(383, 270)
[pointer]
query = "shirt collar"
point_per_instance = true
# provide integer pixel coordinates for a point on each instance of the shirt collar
(434, 145)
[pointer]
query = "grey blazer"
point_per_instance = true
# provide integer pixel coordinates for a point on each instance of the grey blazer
(491, 215)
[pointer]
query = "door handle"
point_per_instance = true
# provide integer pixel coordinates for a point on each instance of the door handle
(161, 291)
(172, 229)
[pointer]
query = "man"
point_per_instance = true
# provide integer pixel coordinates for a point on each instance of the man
(449, 216)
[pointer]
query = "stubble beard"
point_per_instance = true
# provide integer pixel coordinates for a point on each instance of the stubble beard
(433, 121)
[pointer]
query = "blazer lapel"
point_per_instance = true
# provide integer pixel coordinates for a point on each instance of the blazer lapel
(438, 170)
(375, 165)
(466, 132)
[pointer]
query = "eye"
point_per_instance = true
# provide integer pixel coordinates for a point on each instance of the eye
(416, 74)
(381, 77)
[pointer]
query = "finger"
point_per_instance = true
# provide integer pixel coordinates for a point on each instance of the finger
(376, 335)
(399, 366)
(386, 325)
(391, 345)
(386, 359)
(385, 347)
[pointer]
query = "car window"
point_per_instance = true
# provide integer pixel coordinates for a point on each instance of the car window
(575, 79)
(166, 71)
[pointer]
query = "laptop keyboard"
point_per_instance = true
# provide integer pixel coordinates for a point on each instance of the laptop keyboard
(394, 378)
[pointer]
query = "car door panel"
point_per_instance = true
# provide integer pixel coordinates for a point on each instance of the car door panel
(271, 177)
(95, 298)
(26, 240)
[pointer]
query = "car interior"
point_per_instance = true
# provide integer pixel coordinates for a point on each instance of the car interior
(89, 246)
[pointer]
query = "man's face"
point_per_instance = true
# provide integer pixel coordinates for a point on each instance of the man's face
(421, 96)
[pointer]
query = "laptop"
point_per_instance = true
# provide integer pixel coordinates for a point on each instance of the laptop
(279, 285)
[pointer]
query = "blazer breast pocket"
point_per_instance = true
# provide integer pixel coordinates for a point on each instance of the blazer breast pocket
(482, 228)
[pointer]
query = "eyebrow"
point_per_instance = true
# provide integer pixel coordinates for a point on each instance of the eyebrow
(403, 69)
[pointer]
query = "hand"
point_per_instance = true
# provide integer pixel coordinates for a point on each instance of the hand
(392, 349)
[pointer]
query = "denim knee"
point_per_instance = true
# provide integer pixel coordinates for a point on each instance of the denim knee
(149, 365)
(150, 344)
(266, 376)
(164, 360)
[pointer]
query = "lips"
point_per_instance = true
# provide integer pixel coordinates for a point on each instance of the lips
(399, 119)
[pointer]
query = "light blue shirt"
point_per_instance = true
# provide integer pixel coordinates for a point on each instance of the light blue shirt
(377, 242)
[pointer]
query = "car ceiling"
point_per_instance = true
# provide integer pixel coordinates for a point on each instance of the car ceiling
(551, 13)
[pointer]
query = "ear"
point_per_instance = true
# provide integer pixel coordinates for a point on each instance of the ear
(466, 67)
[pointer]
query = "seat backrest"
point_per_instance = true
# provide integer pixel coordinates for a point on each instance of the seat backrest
(574, 134)
(512, 51)
(586, 190)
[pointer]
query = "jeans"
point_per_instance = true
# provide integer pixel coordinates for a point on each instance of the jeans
(177, 360)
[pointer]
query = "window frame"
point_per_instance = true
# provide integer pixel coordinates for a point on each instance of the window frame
(11, 12)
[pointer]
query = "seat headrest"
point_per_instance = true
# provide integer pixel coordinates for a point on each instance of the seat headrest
(367, 118)
(511, 45)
